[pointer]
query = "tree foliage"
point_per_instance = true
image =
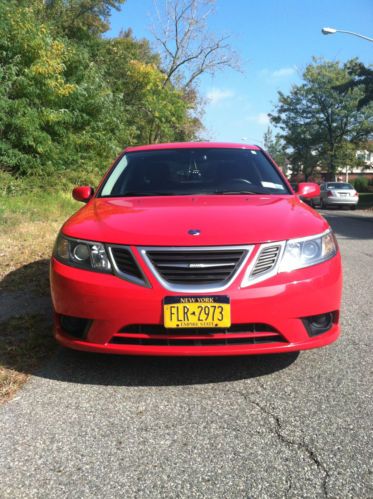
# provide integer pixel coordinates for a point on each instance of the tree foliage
(275, 146)
(362, 77)
(71, 99)
(79, 19)
(321, 126)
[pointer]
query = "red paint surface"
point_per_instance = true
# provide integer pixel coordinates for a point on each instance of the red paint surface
(222, 220)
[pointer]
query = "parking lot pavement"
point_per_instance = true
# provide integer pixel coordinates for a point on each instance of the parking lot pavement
(274, 426)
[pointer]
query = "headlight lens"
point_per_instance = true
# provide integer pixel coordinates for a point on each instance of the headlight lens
(304, 252)
(86, 255)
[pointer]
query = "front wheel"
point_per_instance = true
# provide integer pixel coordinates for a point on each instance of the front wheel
(353, 207)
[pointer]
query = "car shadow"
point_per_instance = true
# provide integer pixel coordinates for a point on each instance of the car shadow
(33, 277)
(26, 291)
(114, 370)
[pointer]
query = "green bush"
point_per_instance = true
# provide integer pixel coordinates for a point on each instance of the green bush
(361, 184)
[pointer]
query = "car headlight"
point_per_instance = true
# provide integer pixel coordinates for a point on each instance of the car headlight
(86, 255)
(307, 251)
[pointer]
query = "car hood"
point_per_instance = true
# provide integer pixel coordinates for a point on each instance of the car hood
(221, 220)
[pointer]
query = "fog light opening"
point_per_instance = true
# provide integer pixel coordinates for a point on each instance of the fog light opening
(318, 324)
(75, 326)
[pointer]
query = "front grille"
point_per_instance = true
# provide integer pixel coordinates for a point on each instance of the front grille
(266, 261)
(196, 266)
(126, 263)
(158, 335)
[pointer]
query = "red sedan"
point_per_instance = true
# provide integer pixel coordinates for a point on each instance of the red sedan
(195, 249)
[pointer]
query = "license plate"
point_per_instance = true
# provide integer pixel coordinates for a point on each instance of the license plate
(196, 311)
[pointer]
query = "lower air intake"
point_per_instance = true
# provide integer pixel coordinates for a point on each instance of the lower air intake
(158, 335)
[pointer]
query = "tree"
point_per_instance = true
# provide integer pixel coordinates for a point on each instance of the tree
(78, 19)
(275, 147)
(155, 111)
(69, 103)
(161, 112)
(187, 49)
(319, 124)
(362, 77)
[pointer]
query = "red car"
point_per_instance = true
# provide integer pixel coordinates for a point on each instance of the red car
(195, 249)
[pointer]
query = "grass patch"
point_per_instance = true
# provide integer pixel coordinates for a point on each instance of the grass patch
(24, 343)
(36, 206)
(365, 201)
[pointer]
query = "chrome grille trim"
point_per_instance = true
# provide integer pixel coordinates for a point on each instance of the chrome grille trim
(197, 288)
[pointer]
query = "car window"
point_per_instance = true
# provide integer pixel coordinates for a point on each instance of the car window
(193, 171)
(339, 186)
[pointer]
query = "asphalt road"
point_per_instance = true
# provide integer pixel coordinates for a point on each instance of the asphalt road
(253, 427)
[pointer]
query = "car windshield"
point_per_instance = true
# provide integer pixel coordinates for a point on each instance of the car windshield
(192, 172)
(339, 186)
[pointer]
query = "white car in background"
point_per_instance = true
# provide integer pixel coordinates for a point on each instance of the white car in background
(338, 194)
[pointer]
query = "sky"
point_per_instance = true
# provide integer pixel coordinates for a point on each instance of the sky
(275, 40)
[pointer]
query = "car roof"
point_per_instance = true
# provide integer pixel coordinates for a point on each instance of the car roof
(192, 145)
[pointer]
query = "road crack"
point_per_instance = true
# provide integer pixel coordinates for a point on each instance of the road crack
(300, 445)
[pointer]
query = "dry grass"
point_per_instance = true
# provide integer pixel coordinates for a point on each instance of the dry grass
(21, 250)
(29, 225)
(28, 228)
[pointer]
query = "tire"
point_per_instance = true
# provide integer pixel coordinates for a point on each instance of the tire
(353, 207)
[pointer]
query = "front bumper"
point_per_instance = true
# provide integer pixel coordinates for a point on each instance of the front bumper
(114, 306)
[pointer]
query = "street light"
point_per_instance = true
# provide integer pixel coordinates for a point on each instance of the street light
(331, 31)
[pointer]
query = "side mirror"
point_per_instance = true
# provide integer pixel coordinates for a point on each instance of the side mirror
(308, 190)
(83, 193)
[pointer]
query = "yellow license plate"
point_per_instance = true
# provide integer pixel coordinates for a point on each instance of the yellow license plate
(196, 311)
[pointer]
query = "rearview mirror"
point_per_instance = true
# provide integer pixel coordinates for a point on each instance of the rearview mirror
(83, 193)
(308, 190)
